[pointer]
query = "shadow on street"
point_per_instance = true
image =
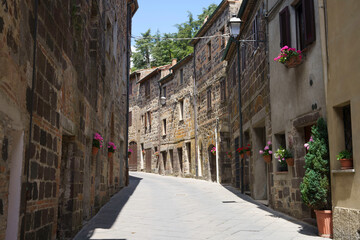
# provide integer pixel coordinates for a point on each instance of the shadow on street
(107, 215)
(305, 229)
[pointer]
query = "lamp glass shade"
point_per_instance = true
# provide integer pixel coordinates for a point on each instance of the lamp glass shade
(234, 26)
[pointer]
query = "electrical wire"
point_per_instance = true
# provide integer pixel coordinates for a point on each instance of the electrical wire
(179, 39)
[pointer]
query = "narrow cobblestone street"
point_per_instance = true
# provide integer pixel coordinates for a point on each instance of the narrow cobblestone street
(161, 207)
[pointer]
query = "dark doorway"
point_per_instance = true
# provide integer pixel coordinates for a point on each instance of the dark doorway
(260, 185)
(172, 160)
(188, 149)
(212, 159)
(180, 157)
(148, 160)
(133, 157)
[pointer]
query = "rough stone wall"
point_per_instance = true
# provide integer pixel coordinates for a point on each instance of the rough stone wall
(79, 89)
(180, 132)
(209, 73)
(347, 222)
(255, 100)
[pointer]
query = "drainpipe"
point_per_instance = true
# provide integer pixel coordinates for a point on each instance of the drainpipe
(27, 161)
(240, 116)
(217, 150)
(197, 158)
(128, 32)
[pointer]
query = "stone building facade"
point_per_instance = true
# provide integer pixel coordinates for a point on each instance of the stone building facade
(297, 95)
(51, 108)
(212, 122)
(251, 173)
(176, 117)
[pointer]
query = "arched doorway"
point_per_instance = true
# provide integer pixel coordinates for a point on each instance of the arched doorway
(212, 162)
(133, 156)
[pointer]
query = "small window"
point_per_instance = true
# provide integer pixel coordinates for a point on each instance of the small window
(285, 36)
(234, 73)
(305, 23)
(222, 38)
(346, 111)
(256, 31)
(147, 89)
(209, 50)
(130, 119)
(164, 92)
(164, 126)
(181, 76)
(209, 99)
(222, 90)
(149, 120)
(243, 58)
(181, 110)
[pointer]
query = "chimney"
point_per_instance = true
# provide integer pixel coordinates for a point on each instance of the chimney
(173, 62)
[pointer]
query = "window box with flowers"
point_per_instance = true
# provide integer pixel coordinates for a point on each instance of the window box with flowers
(97, 143)
(290, 57)
(111, 149)
(267, 152)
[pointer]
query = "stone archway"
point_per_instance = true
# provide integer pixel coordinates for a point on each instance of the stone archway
(212, 163)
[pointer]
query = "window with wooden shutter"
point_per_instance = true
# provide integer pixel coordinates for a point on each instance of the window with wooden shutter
(222, 90)
(305, 23)
(209, 99)
(285, 34)
(308, 10)
(147, 89)
(145, 122)
(130, 119)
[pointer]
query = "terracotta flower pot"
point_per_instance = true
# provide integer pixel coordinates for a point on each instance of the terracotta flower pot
(346, 163)
(94, 150)
(267, 158)
(242, 155)
(248, 153)
(293, 62)
(290, 162)
(110, 154)
(324, 223)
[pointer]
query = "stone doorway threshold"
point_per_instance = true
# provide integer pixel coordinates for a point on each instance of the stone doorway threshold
(263, 202)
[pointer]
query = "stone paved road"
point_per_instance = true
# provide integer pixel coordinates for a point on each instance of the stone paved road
(161, 208)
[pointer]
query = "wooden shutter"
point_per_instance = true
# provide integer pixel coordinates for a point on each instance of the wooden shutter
(309, 21)
(285, 36)
(130, 119)
(149, 119)
(145, 120)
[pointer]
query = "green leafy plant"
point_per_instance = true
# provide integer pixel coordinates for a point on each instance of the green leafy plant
(287, 154)
(315, 188)
(345, 154)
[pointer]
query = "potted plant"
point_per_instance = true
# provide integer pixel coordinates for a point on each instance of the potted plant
(280, 155)
(248, 150)
(241, 151)
(97, 143)
(289, 56)
(130, 151)
(156, 153)
(111, 149)
(213, 150)
(143, 151)
(289, 158)
(315, 187)
(229, 154)
(267, 152)
(345, 158)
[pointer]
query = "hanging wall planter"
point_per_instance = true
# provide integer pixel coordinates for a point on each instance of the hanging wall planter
(290, 57)
(290, 162)
(267, 152)
(97, 143)
(111, 149)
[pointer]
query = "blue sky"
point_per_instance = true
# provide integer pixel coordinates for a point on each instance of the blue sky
(163, 15)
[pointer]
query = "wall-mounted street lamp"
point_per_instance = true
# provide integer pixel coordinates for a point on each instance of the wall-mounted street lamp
(235, 27)
(162, 100)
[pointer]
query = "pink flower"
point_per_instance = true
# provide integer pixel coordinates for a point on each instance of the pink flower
(284, 48)
(269, 143)
(266, 148)
(311, 139)
(261, 152)
(298, 51)
(270, 152)
(283, 159)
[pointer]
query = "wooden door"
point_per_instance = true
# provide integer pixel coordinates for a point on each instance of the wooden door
(133, 157)
(148, 159)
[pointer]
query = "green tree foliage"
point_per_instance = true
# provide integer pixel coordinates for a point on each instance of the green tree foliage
(157, 49)
(315, 188)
